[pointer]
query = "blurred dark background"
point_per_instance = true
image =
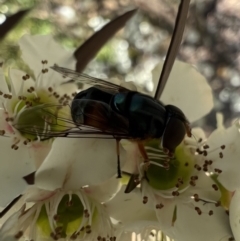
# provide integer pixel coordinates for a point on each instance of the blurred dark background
(211, 40)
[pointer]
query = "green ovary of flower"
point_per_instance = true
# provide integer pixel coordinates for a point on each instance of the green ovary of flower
(69, 216)
(180, 168)
(43, 118)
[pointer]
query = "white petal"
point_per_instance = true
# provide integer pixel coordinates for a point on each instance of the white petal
(15, 164)
(66, 89)
(3, 83)
(234, 215)
(39, 151)
(204, 188)
(73, 163)
(39, 47)
(34, 194)
(10, 228)
(15, 77)
(104, 191)
(187, 89)
(132, 156)
(129, 208)
(229, 164)
(190, 226)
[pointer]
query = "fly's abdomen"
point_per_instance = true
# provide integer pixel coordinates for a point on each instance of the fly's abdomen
(146, 116)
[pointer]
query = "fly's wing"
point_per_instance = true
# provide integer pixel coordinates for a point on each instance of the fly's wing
(92, 119)
(86, 79)
(99, 115)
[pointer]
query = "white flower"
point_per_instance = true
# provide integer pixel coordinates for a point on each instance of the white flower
(180, 192)
(70, 211)
(224, 153)
(59, 215)
(38, 52)
(178, 188)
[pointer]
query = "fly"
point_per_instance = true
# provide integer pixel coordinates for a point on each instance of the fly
(117, 112)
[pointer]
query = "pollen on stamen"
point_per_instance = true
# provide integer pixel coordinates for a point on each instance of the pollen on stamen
(196, 198)
(196, 166)
(32, 88)
(6, 96)
(44, 61)
(88, 229)
(205, 169)
(218, 170)
(205, 147)
(210, 213)
(18, 235)
(1, 93)
(218, 204)
(223, 147)
(2, 132)
(198, 151)
(55, 236)
(180, 180)
(74, 236)
(192, 183)
(198, 210)
(194, 178)
(59, 229)
(56, 217)
(159, 206)
(231, 239)
(175, 193)
(145, 199)
(86, 213)
(200, 140)
(220, 154)
(215, 187)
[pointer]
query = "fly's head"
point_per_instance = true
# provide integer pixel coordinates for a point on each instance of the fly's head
(177, 126)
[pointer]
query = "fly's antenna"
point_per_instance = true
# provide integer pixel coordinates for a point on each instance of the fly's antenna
(174, 46)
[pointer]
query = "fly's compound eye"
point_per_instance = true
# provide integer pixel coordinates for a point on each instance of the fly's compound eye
(173, 135)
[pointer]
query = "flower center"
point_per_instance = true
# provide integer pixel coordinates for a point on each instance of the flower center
(66, 216)
(37, 111)
(166, 173)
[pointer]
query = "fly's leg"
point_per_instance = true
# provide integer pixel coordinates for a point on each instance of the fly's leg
(118, 160)
(9, 206)
(132, 183)
(145, 157)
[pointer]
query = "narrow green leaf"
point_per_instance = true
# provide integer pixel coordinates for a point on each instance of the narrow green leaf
(89, 48)
(174, 46)
(10, 22)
